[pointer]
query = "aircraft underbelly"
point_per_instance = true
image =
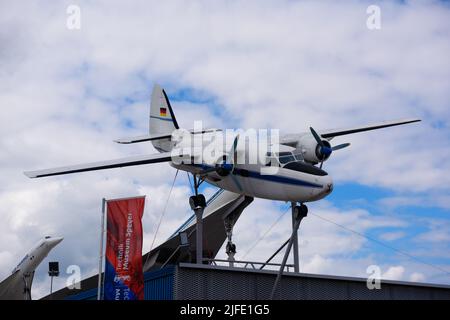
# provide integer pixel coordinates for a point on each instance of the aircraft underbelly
(268, 187)
(280, 191)
(285, 185)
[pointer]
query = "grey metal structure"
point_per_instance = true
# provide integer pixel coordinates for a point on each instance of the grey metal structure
(208, 282)
(223, 207)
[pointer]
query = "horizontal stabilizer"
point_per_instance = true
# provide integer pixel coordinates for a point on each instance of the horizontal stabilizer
(144, 138)
(153, 137)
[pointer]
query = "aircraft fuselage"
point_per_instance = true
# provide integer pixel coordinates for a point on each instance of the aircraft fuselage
(284, 185)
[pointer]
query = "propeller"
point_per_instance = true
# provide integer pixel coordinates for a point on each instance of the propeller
(340, 146)
(325, 149)
(233, 151)
(228, 161)
(227, 166)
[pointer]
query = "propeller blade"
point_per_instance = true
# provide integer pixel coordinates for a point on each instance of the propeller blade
(234, 152)
(236, 181)
(340, 146)
(233, 149)
(317, 137)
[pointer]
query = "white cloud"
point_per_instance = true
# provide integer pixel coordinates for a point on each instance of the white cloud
(431, 200)
(438, 232)
(417, 277)
(394, 273)
(391, 236)
(289, 65)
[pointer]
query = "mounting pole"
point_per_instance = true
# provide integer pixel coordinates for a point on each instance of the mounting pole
(199, 235)
(100, 256)
(274, 254)
(295, 239)
(301, 212)
(198, 204)
(51, 286)
(230, 247)
(27, 290)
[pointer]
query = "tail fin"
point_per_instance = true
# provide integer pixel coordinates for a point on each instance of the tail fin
(162, 118)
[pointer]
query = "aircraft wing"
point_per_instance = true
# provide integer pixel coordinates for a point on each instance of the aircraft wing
(10, 286)
(118, 163)
(340, 132)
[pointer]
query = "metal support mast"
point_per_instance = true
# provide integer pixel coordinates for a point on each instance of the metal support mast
(295, 239)
(300, 213)
(198, 205)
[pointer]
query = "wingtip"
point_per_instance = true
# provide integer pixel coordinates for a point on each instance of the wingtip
(412, 120)
(30, 174)
(120, 141)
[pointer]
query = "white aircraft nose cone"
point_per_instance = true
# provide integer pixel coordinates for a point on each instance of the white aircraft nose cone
(328, 185)
(54, 241)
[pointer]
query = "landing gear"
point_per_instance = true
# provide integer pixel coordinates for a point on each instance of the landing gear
(198, 205)
(298, 213)
(197, 202)
(27, 287)
(231, 247)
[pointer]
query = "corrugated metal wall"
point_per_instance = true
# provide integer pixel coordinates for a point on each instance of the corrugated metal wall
(90, 294)
(158, 285)
(209, 283)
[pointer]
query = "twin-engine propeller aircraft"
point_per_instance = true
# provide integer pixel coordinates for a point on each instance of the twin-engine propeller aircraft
(297, 158)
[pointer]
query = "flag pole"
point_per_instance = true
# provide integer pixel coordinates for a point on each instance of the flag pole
(100, 257)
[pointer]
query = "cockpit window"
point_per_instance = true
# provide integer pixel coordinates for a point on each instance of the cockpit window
(286, 157)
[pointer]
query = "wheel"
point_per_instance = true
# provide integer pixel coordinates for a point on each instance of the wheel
(201, 201)
(198, 201)
(231, 248)
(303, 210)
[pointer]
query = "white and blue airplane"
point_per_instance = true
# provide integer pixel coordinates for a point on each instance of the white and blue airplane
(18, 285)
(298, 158)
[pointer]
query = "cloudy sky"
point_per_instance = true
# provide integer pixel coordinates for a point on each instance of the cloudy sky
(65, 94)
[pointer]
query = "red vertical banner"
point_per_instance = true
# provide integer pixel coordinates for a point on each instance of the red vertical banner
(124, 278)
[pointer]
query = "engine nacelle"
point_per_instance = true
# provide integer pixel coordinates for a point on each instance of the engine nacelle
(310, 149)
(223, 166)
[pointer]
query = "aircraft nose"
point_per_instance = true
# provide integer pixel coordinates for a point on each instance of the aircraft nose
(55, 241)
(328, 185)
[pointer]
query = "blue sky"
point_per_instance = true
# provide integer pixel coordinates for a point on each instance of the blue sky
(66, 94)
